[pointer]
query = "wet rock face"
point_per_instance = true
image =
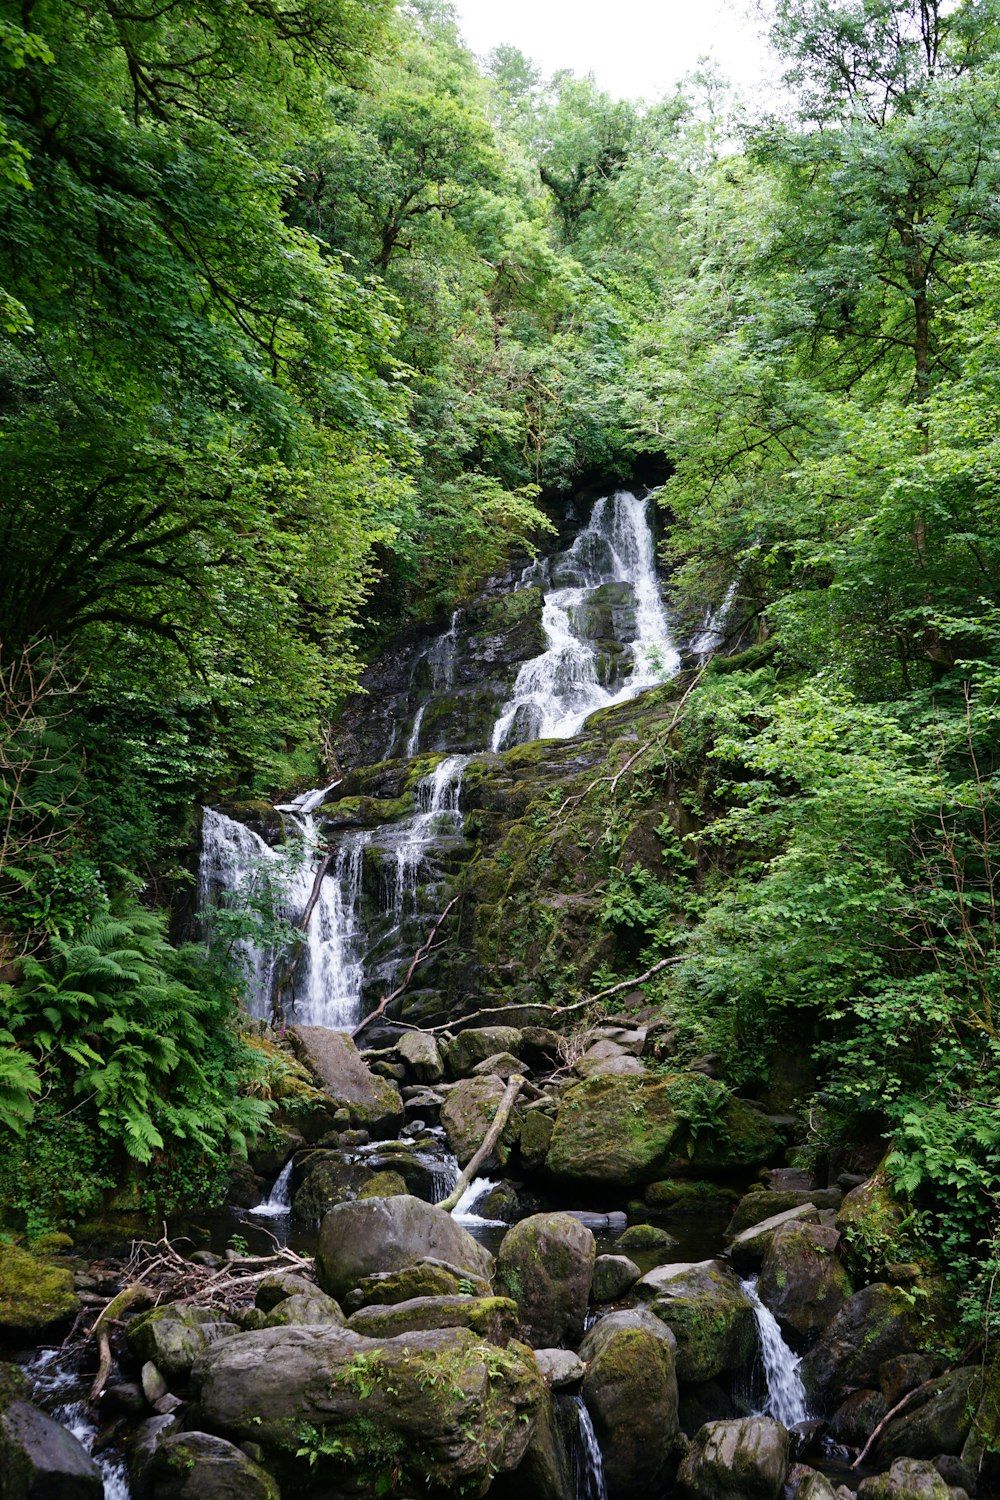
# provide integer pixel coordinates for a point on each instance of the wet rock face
(630, 1390)
(742, 1460)
(443, 1410)
(40, 1458)
(709, 1314)
(546, 1264)
(938, 1422)
(802, 1281)
(874, 1325)
(387, 1234)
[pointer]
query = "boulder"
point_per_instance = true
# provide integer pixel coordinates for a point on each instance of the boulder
(281, 1284)
(606, 1056)
(749, 1247)
(469, 1048)
(870, 1220)
(613, 1276)
(908, 1479)
(709, 1313)
(492, 1318)
(761, 1204)
(814, 1486)
(802, 1281)
(441, 1410)
(172, 1337)
(904, 1373)
(501, 1065)
(560, 1367)
(422, 1056)
(645, 1237)
(305, 1308)
(384, 1185)
(613, 1130)
(372, 1103)
(938, 1421)
(468, 1113)
(197, 1466)
(428, 1278)
(630, 1391)
(742, 1460)
(386, 1234)
(874, 1325)
(546, 1264)
(326, 1179)
(35, 1295)
(41, 1460)
(546, 1471)
(857, 1417)
(678, 1195)
(534, 1138)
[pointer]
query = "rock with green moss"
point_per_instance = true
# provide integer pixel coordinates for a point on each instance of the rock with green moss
(908, 1479)
(441, 1410)
(645, 1237)
(630, 1391)
(386, 1234)
(467, 1114)
(14, 1385)
(384, 1185)
(324, 1179)
(802, 1280)
(546, 1471)
(35, 1295)
(940, 1423)
(428, 1277)
(305, 1309)
(172, 1337)
(42, 1460)
(741, 1460)
(371, 1102)
(281, 1284)
(492, 1318)
(748, 1249)
(874, 1325)
(677, 1195)
(199, 1466)
(468, 1049)
(546, 1264)
(761, 1204)
(870, 1220)
(422, 1056)
(534, 1138)
(617, 1131)
(710, 1316)
(614, 1275)
(813, 1485)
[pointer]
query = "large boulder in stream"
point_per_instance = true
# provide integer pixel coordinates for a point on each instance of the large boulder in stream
(874, 1325)
(468, 1049)
(173, 1337)
(41, 1460)
(373, 1103)
(630, 1391)
(709, 1314)
(467, 1114)
(742, 1460)
(937, 1421)
(198, 1466)
(909, 1479)
(802, 1281)
(441, 1410)
(375, 1235)
(546, 1264)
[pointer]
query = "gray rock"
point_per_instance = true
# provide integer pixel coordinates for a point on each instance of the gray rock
(742, 1460)
(469, 1048)
(709, 1313)
(560, 1367)
(857, 1417)
(613, 1276)
(815, 1486)
(371, 1102)
(630, 1391)
(197, 1466)
(938, 1423)
(492, 1318)
(501, 1065)
(802, 1281)
(874, 1325)
(760, 1204)
(389, 1234)
(908, 1479)
(305, 1308)
(172, 1337)
(422, 1055)
(546, 1264)
(275, 1288)
(749, 1247)
(467, 1114)
(41, 1460)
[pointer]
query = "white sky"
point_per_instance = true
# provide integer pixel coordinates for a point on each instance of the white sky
(634, 48)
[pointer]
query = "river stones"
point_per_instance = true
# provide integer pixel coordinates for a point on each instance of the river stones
(492, 1318)
(939, 1423)
(546, 1264)
(741, 1460)
(444, 1409)
(709, 1314)
(908, 1479)
(35, 1295)
(198, 1466)
(387, 1234)
(613, 1276)
(802, 1281)
(874, 1325)
(748, 1249)
(372, 1103)
(172, 1337)
(467, 1049)
(41, 1458)
(630, 1391)
(422, 1056)
(560, 1367)
(304, 1308)
(468, 1113)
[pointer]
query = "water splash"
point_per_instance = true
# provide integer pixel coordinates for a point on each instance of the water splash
(278, 1203)
(438, 811)
(58, 1388)
(556, 692)
(786, 1395)
(463, 1213)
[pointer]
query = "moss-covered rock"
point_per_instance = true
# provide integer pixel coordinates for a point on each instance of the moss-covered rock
(465, 1051)
(39, 1459)
(534, 1138)
(709, 1314)
(613, 1130)
(939, 1423)
(172, 1337)
(874, 1325)
(386, 1234)
(546, 1264)
(614, 1275)
(677, 1195)
(908, 1479)
(305, 1309)
(491, 1318)
(761, 1204)
(630, 1391)
(429, 1277)
(383, 1185)
(35, 1294)
(645, 1237)
(870, 1220)
(742, 1460)
(198, 1466)
(467, 1114)
(802, 1281)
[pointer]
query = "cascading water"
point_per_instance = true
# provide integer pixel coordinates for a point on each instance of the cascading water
(278, 1203)
(438, 799)
(62, 1391)
(556, 692)
(586, 1463)
(464, 1210)
(786, 1396)
(713, 631)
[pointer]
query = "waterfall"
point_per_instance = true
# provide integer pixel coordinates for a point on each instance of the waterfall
(586, 1463)
(278, 1203)
(713, 630)
(413, 743)
(238, 872)
(441, 656)
(556, 692)
(438, 808)
(463, 1210)
(786, 1395)
(329, 993)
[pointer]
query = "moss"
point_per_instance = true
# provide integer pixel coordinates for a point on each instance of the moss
(384, 1185)
(34, 1294)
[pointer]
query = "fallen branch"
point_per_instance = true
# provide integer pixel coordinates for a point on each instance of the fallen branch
(514, 1087)
(424, 951)
(114, 1309)
(894, 1411)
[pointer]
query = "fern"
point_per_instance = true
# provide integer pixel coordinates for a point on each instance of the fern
(18, 1082)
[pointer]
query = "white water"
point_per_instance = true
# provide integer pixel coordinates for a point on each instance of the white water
(555, 693)
(441, 657)
(463, 1210)
(786, 1395)
(278, 1203)
(713, 631)
(438, 811)
(585, 1457)
(51, 1380)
